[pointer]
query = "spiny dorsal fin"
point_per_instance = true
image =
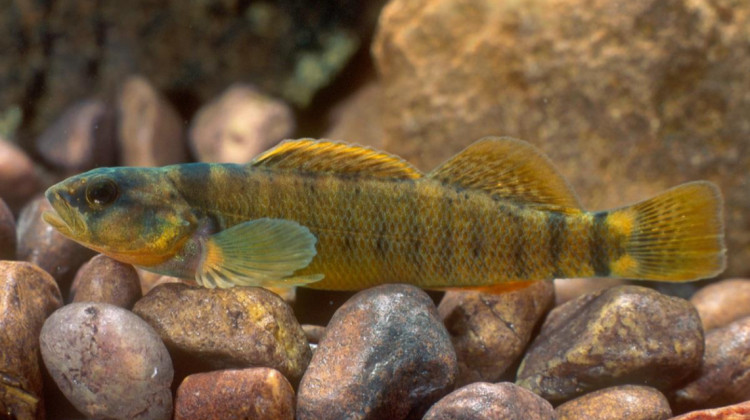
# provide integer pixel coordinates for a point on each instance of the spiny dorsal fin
(510, 168)
(329, 156)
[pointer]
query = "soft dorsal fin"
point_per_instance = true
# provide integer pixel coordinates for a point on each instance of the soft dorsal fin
(510, 168)
(329, 156)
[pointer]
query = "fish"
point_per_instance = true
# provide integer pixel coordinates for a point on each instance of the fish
(330, 215)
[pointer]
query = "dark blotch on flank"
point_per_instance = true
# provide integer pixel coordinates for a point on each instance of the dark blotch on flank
(599, 256)
(557, 227)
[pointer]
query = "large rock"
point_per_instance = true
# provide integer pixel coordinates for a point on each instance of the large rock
(627, 97)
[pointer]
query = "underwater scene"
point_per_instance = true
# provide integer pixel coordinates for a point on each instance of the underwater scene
(385, 209)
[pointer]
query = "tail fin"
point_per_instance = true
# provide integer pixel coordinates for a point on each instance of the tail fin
(675, 236)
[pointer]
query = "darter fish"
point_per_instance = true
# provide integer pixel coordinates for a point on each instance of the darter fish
(334, 216)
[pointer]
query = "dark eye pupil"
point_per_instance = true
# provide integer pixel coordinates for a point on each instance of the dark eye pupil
(102, 193)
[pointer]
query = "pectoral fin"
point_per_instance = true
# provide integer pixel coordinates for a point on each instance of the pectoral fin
(261, 252)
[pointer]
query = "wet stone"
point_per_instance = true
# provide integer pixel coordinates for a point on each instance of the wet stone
(108, 362)
(150, 132)
(42, 245)
(240, 124)
(721, 303)
(7, 233)
(254, 393)
(724, 378)
(490, 331)
(18, 178)
(105, 280)
(385, 354)
(228, 328)
(621, 402)
(27, 295)
(82, 138)
(626, 334)
(485, 401)
(739, 411)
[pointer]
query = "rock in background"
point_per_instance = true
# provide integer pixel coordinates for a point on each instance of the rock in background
(627, 98)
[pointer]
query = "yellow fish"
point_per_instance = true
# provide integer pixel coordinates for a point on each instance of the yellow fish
(329, 215)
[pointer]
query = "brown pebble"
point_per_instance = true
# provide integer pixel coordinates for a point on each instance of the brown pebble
(7, 233)
(626, 333)
(721, 303)
(739, 411)
(725, 375)
(239, 125)
(151, 132)
(385, 355)
(239, 327)
(485, 401)
(630, 402)
(82, 138)
(105, 280)
(254, 393)
(314, 333)
(19, 180)
(42, 245)
(108, 362)
(27, 295)
(490, 331)
(569, 289)
(357, 117)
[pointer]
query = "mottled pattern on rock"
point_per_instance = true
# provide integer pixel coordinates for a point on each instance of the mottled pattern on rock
(41, 244)
(484, 401)
(385, 354)
(490, 331)
(626, 334)
(105, 280)
(238, 327)
(108, 362)
(238, 125)
(627, 98)
(733, 412)
(82, 138)
(18, 178)
(150, 131)
(7, 232)
(725, 375)
(721, 303)
(255, 393)
(27, 295)
(616, 403)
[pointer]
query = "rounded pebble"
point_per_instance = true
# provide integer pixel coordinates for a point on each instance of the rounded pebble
(105, 280)
(108, 362)
(626, 333)
(255, 393)
(739, 411)
(385, 354)
(621, 402)
(569, 289)
(239, 125)
(484, 401)
(239, 327)
(7, 233)
(490, 331)
(18, 178)
(721, 303)
(725, 375)
(27, 295)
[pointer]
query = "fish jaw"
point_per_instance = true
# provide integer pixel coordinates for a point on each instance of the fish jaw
(62, 217)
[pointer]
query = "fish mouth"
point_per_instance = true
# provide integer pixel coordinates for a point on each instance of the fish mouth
(62, 217)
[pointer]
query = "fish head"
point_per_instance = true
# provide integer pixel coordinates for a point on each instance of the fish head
(135, 215)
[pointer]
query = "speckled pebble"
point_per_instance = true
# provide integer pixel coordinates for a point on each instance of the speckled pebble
(255, 393)
(485, 401)
(105, 280)
(108, 362)
(239, 125)
(42, 245)
(27, 295)
(629, 402)
(725, 375)
(19, 180)
(7, 233)
(385, 354)
(626, 333)
(239, 327)
(733, 412)
(721, 303)
(490, 331)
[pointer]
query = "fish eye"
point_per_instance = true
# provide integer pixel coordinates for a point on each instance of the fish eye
(101, 192)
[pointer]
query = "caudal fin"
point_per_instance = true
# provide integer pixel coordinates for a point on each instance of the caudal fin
(675, 236)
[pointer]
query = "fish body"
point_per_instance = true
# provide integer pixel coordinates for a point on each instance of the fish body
(333, 216)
